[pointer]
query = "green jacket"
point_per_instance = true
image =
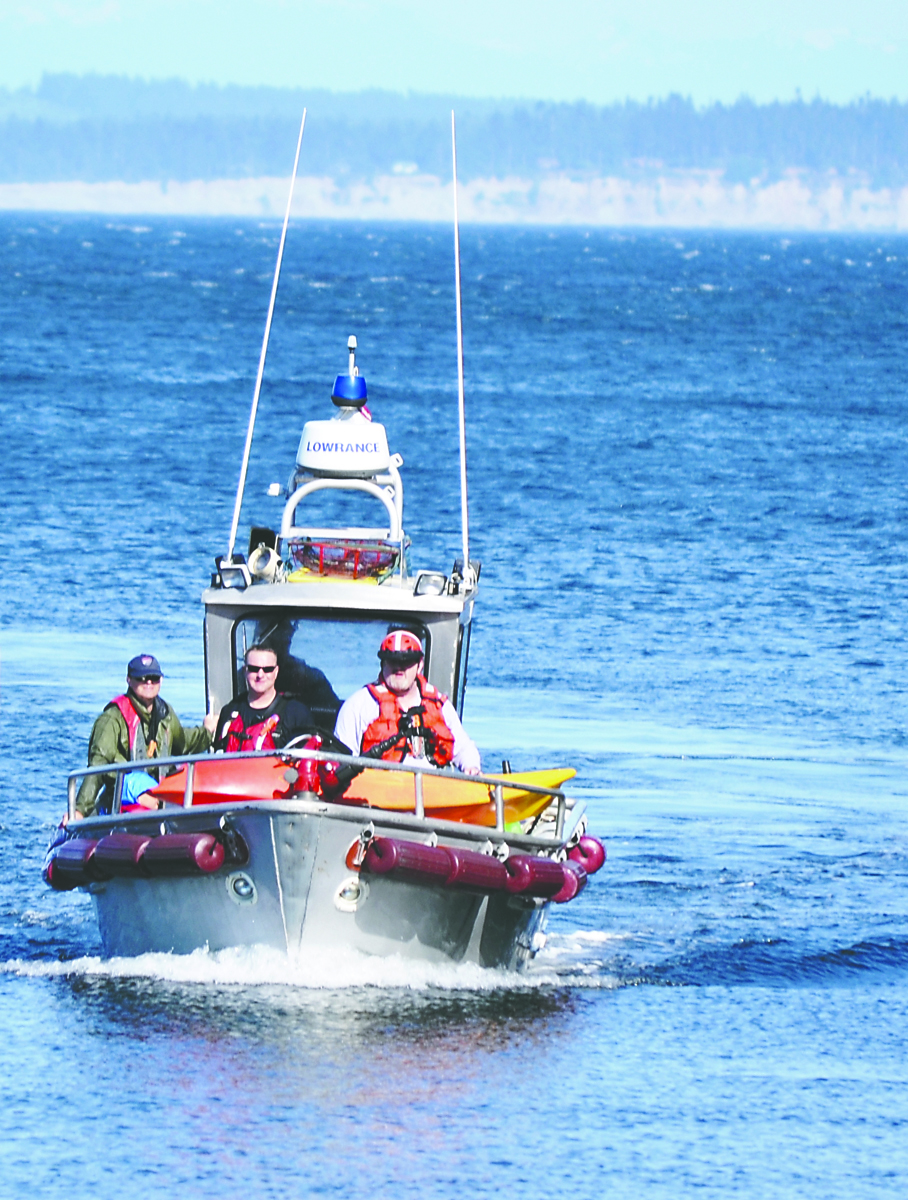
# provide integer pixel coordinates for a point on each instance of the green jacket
(109, 743)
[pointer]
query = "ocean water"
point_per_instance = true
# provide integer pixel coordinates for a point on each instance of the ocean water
(688, 489)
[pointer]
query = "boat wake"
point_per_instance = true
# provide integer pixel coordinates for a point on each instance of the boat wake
(566, 962)
(262, 966)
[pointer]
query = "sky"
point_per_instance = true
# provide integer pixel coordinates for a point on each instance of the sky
(600, 51)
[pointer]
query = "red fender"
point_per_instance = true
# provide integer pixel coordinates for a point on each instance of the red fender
(119, 854)
(477, 872)
(574, 882)
(531, 876)
(174, 854)
(71, 865)
(419, 863)
(412, 861)
(589, 853)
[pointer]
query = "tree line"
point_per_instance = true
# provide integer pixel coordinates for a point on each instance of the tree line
(100, 129)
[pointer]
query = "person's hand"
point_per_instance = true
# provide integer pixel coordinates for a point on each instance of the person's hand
(77, 816)
(211, 723)
(473, 771)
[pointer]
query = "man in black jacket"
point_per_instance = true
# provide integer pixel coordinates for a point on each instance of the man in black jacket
(263, 719)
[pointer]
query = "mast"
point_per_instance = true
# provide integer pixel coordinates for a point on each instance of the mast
(464, 513)
(241, 486)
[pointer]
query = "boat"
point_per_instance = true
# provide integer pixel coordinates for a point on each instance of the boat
(311, 847)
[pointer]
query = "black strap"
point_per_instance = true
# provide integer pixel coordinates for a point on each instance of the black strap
(157, 715)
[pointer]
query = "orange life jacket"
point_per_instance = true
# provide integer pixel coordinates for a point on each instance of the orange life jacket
(438, 741)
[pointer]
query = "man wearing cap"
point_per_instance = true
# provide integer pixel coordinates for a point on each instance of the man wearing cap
(137, 725)
(402, 716)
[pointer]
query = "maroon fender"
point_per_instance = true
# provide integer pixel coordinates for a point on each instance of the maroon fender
(478, 872)
(174, 854)
(533, 876)
(589, 853)
(574, 882)
(411, 861)
(119, 854)
(69, 868)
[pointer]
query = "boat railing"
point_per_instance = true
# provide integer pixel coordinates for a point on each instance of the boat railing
(386, 488)
(497, 784)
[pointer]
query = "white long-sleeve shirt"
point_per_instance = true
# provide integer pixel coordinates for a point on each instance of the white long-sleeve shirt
(361, 709)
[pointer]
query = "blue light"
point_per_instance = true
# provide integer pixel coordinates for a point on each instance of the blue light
(349, 392)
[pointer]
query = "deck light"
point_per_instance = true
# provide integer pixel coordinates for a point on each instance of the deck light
(264, 563)
(430, 583)
(233, 573)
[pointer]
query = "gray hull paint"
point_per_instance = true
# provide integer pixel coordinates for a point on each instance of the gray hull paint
(298, 869)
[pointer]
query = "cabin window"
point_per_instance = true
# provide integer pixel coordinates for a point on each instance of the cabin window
(322, 660)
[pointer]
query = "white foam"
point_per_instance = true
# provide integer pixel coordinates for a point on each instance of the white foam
(592, 935)
(262, 966)
(561, 964)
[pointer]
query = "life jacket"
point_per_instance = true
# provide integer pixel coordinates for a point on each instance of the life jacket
(133, 724)
(251, 737)
(438, 742)
(138, 748)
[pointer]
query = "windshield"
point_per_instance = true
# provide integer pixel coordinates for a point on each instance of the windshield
(322, 660)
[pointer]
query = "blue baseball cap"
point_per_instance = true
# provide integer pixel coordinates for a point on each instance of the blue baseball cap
(143, 664)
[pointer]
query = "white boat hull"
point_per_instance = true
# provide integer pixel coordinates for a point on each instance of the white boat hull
(297, 893)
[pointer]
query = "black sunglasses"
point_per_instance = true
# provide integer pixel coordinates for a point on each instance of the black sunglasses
(253, 670)
(146, 678)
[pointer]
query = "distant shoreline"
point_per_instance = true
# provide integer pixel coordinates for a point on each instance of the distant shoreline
(676, 199)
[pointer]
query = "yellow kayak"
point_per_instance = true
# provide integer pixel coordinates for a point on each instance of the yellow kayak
(456, 798)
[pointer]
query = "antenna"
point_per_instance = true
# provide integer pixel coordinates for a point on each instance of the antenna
(464, 515)
(241, 487)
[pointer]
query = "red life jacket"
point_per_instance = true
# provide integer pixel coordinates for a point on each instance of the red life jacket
(138, 747)
(133, 723)
(250, 737)
(439, 744)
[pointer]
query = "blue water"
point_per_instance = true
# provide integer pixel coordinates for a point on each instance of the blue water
(688, 490)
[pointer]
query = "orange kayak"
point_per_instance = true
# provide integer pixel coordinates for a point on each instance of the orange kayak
(219, 780)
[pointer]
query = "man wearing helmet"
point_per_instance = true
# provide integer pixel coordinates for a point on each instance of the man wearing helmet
(402, 716)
